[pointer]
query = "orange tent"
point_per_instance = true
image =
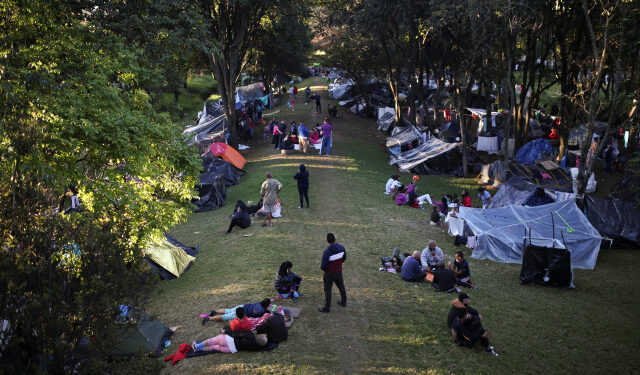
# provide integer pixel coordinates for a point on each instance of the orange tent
(228, 153)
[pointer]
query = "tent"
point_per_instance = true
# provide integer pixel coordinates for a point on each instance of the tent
(433, 156)
(169, 257)
(500, 232)
(615, 218)
(139, 332)
(249, 93)
(547, 264)
(228, 153)
(520, 192)
(402, 137)
(212, 188)
(554, 178)
(386, 121)
(534, 150)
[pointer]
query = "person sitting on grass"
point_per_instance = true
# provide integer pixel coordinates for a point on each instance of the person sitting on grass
(443, 279)
(240, 323)
(393, 182)
(252, 310)
(461, 302)
(239, 218)
(286, 282)
(314, 137)
(462, 271)
(466, 331)
(436, 217)
(432, 256)
(411, 270)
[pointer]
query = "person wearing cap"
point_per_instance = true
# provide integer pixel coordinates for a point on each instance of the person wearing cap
(393, 182)
(432, 256)
(411, 270)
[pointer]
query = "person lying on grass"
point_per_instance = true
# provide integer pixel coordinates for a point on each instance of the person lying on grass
(286, 282)
(252, 310)
(461, 269)
(232, 342)
(411, 270)
(466, 330)
(241, 322)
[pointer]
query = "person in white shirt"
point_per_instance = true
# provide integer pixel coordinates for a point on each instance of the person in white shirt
(392, 183)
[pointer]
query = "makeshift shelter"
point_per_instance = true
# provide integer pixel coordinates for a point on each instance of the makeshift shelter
(534, 150)
(520, 192)
(615, 218)
(386, 121)
(554, 178)
(139, 332)
(249, 93)
(432, 157)
(449, 132)
(169, 257)
(401, 137)
(546, 263)
(212, 188)
(228, 153)
(500, 232)
(340, 90)
(628, 189)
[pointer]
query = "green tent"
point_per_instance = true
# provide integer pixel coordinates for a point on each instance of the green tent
(147, 336)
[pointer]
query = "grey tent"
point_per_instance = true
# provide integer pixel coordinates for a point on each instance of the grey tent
(386, 121)
(403, 136)
(500, 232)
(340, 90)
(520, 192)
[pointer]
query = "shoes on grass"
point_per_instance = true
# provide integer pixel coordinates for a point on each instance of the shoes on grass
(491, 351)
(343, 304)
(323, 310)
(205, 320)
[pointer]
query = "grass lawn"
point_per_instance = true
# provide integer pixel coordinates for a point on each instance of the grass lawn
(388, 326)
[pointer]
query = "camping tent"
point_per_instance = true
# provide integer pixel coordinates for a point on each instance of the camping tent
(139, 333)
(228, 153)
(520, 192)
(500, 232)
(615, 218)
(169, 257)
(534, 150)
(433, 156)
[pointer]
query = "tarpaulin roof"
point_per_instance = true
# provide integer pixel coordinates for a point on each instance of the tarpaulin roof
(532, 151)
(501, 231)
(228, 153)
(403, 136)
(432, 148)
(385, 122)
(340, 90)
(614, 218)
(249, 93)
(519, 191)
(147, 336)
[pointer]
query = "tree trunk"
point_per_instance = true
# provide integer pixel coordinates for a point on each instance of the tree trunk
(510, 97)
(465, 171)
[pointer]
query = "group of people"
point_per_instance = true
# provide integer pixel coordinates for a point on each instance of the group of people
(285, 137)
(293, 96)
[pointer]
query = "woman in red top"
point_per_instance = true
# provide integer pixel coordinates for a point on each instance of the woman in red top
(466, 199)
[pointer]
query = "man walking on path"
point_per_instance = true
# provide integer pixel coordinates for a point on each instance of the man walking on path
(269, 192)
(332, 260)
(326, 137)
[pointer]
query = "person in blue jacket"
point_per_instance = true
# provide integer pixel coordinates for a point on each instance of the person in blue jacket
(411, 269)
(332, 260)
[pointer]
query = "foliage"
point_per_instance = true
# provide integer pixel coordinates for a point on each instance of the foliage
(75, 115)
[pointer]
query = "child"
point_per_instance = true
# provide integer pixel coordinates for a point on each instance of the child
(240, 323)
(393, 182)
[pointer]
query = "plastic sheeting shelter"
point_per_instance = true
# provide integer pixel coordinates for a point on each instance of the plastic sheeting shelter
(147, 335)
(547, 264)
(386, 121)
(615, 218)
(228, 153)
(249, 93)
(500, 232)
(212, 189)
(402, 136)
(169, 257)
(532, 151)
(340, 90)
(518, 191)
(499, 172)
(431, 149)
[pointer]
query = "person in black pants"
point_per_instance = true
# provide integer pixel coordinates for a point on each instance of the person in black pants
(303, 184)
(239, 218)
(318, 106)
(332, 260)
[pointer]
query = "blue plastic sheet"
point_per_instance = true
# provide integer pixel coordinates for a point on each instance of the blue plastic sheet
(530, 152)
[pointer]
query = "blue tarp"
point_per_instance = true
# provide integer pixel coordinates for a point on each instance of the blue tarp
(530, 152)
(500, 232)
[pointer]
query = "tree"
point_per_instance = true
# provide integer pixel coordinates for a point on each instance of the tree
(74, 115)
(231, 27)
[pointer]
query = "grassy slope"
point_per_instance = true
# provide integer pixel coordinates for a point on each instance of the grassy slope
(389, 326)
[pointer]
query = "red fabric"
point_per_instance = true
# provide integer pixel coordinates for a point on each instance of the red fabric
(553, 134)
(179, 355)
(447, 114)
(466, 201)
(218, 149)
(240, 325)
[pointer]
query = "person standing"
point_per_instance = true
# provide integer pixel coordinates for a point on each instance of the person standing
(303, 184)
(326, 137)
(485, 197)
(269, 192)
(332, 260)
(318, 99)
(307, 95)
(303, 137)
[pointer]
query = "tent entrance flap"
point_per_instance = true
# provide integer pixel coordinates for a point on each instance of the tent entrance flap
(548, 266)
